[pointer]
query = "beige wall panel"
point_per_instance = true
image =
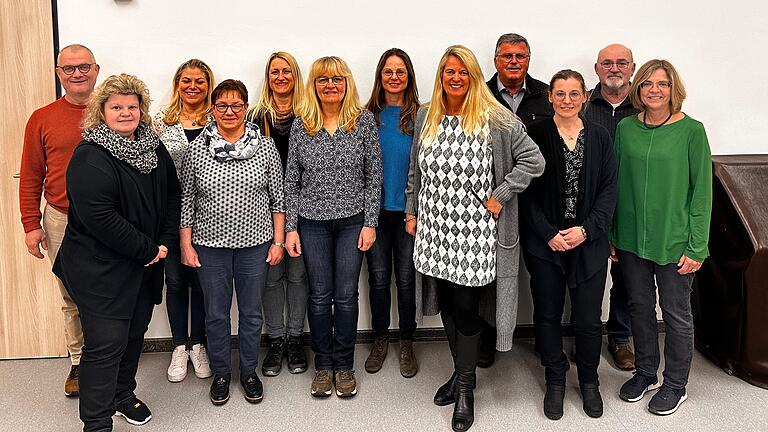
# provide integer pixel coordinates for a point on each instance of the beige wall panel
(31, 322)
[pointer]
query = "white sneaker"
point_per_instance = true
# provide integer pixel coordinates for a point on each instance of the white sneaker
(199, 358)
(177, 371)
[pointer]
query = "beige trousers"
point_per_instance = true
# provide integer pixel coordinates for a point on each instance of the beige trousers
(54, 224)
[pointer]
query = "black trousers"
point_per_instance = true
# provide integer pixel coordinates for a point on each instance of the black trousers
(462, 303)
(548, 285)
(110, 359)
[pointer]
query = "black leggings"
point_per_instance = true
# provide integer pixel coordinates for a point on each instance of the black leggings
(461, 302)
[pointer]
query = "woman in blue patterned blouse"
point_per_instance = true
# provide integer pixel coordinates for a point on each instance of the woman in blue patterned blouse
(332, 192)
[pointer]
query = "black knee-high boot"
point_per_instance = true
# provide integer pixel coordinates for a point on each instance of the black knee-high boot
(467, 352)
(446, 394)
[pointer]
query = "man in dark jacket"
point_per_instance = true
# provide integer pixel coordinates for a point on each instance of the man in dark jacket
(608, 104)
(511, 84)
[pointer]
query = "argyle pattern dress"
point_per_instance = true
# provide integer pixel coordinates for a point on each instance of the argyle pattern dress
(456, 234)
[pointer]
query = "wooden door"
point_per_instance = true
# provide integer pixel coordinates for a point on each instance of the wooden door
(31, 321)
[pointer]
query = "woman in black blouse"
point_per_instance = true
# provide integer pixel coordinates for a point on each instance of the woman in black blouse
(281, 95)
(566, 214)
(123, 215)
(332, 192)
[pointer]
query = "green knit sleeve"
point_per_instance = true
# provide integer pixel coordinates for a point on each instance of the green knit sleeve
(700, 162)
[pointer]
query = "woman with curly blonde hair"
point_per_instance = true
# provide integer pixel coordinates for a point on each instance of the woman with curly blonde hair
(123, 214)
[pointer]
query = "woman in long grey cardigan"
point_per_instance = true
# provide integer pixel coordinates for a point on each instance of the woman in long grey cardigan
(469, 160)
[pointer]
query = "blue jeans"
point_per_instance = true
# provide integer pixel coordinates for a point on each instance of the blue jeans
(247, 267)
(333, 264)
(392, 242)
(183, 300)
(286, 283)
(675, 302)
(619, 322)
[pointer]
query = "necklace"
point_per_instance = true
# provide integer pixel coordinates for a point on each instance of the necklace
(565, 135)
(187, 117)
(658, 125)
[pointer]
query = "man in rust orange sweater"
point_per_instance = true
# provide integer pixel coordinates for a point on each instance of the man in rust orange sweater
(50, 138)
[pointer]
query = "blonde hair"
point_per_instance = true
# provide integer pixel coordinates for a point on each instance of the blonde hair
(312, 114)
(676, 95)
(479, 106)
(122, 84)
(173, 110)
(265, 106)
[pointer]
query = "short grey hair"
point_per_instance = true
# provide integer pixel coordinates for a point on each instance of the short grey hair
(75, 47)
(512, 38)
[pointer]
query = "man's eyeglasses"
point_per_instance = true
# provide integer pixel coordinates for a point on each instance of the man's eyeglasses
(400, 73)
(517, 56)
(608, 65)
(222, 107)
(336, 80)
(70, 69)
(560, 96)
(662, 85)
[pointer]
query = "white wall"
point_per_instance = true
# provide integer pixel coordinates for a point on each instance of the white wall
(718, 48)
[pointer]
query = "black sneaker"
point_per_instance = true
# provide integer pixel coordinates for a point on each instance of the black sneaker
(634, 389)
(273, 362)
(220, 389)
(297, 360)
(667, 400)
(134, 411)
(254, 390)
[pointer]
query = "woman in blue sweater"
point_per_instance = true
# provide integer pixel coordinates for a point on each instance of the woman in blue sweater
(394, 102)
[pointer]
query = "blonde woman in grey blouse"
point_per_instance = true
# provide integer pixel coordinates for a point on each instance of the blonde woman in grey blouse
(332, 188)
(178, 124)
(232, 227)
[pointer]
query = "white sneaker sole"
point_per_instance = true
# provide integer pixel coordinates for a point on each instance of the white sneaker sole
(668, 412)
(131, 421)
(651, 387)
(175, 379)
(203, 375)
(321, 394)
(342, 395)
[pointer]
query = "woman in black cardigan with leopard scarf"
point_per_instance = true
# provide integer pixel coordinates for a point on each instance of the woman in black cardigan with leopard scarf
(566, 214)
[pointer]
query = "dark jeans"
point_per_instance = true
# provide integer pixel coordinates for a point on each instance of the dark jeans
(286, 283)
(619, 322)
(247, 267)
(110, 360)
(333, 264)
(675, 302)
(548, 285)
(462, 303)
(392, 242)
(183, 300)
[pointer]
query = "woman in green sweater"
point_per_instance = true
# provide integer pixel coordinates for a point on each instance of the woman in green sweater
(661, 228)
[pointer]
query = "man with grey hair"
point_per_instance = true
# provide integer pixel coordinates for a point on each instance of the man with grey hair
(511, 84)
(608, 104)
(50, 138)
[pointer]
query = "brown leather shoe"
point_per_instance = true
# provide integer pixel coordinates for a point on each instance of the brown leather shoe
(408, 364)
(622, 354)
(72, 384)
(375, 359)
(346, 384)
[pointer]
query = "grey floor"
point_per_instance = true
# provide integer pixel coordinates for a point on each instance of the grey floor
(508, 398)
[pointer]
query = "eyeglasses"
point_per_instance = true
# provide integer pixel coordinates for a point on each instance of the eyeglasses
(336, 80)
(560, 96)
(662, 85)
(517, 56)
(222, 107)
(70, 69)
(608, 65)
(400, 73)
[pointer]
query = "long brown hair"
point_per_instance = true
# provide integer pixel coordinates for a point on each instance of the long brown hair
(411, 104)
